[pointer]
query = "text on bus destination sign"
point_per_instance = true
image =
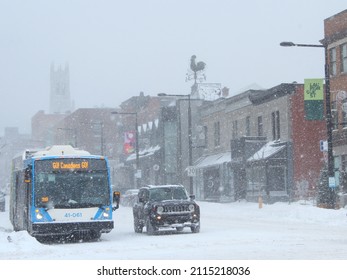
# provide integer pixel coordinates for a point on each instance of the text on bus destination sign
(69, 165)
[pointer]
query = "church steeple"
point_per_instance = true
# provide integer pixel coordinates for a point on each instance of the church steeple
(60, 99)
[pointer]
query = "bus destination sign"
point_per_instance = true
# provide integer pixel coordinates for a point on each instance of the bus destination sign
(59, 165)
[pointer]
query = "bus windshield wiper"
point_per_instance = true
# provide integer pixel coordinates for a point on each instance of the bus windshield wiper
(89, 204)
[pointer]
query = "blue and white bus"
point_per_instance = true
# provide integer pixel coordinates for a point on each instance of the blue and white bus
(62, 192)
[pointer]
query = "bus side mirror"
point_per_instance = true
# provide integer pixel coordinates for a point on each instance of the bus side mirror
(27, 175)
(116, 199)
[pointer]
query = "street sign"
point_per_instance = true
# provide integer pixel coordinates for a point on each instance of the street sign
(191, 170)
(138, 174)
(332, 182)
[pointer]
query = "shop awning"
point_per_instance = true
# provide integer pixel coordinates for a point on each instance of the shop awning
(144, 153)
(211, 160)
(267, 151)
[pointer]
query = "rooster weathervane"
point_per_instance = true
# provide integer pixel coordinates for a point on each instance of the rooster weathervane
(197, 70)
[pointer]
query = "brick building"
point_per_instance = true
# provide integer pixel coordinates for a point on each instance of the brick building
(145, 112)
(42, 126)
(90, 129)
(259, 142)
(335, 40)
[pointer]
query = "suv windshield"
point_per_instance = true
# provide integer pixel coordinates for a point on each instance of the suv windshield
(167, 193)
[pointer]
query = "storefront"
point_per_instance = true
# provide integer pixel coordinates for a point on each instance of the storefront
(267, 173)
(213, 180)
(149, 164)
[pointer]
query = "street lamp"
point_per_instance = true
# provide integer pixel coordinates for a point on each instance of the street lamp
(190, 162)
(136, 143)
(328, 116)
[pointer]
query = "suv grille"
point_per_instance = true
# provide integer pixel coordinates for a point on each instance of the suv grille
(176, 209)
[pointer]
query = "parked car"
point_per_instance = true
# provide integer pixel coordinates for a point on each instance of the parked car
(2, 202)
(129, 198)
(166, 206)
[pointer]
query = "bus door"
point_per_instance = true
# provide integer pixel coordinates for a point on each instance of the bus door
(26, 197)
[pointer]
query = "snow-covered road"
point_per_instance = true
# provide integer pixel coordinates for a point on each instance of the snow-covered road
(294, 241)
(234, 231)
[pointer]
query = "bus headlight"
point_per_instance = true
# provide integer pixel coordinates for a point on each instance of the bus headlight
(105, 214)
(38, 215)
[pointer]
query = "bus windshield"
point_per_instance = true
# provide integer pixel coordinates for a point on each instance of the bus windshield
(75, 183)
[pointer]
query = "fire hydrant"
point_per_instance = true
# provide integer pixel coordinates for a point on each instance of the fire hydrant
(260, 202)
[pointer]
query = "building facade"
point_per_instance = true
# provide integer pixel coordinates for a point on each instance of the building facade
(90, 129)
(12, 144)
(183, 138)
(42, 127)
(335, 40)
(259, 143)
(137, 117)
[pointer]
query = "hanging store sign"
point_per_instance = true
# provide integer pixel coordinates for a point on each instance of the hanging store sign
(314, 99)
(129, 142)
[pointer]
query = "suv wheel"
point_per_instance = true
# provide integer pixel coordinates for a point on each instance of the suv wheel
(195, 229)
(150, 228)
(137, 226)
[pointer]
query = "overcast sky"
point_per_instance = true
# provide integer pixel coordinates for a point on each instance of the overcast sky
(115, 49)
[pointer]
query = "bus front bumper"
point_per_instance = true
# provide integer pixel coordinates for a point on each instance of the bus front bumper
(49, 229)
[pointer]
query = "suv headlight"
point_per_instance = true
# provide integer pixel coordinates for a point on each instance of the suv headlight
(191, 207)
(160, 209)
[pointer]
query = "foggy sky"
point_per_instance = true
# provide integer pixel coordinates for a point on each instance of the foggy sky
(115, 49)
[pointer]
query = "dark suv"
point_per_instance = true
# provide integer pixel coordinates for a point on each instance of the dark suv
(167, 206)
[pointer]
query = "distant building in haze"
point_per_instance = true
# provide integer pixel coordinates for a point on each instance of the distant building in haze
(60, 99)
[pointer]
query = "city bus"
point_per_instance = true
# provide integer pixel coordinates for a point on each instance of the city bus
(62, 192)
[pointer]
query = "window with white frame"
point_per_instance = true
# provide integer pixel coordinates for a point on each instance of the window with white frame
(334, 115)
(205, 133)
(332, 57)
(276, 129)
(248, 126)
(343, 58)
(344, 112)
(216, 134)
(260, 126)
(235, 128)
